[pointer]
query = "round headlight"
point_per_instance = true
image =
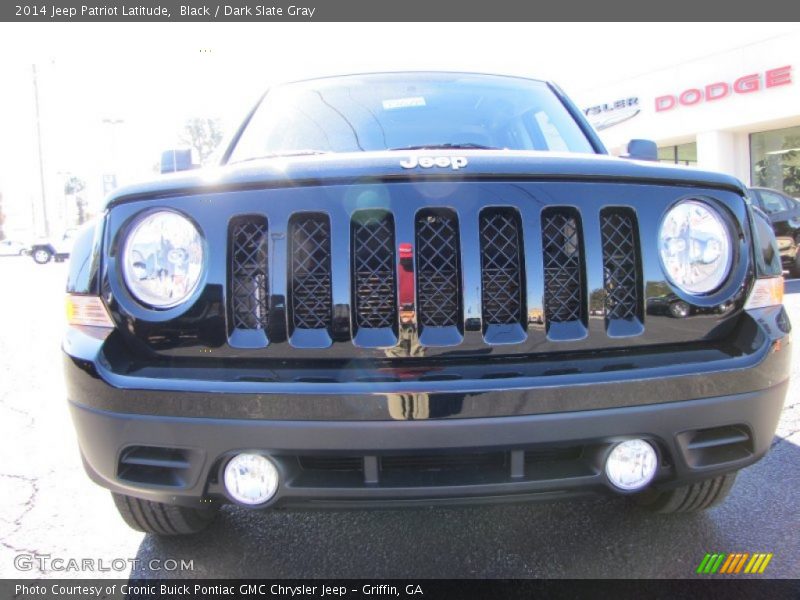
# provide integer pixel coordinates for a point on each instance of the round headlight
(163, 259)
(695, 247)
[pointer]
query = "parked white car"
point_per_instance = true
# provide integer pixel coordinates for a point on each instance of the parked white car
(13, 248)
(58, 247)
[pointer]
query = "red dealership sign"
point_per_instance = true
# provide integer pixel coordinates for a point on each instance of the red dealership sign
(745, 84)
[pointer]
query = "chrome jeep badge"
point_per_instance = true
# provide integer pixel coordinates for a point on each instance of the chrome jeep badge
(426, 162)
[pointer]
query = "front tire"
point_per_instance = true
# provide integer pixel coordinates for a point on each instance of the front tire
(162, 519)
(42, 256)
(689, 498)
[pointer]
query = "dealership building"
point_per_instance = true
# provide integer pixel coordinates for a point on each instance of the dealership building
(737, 111)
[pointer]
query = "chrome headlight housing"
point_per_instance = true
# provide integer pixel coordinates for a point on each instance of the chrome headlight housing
(162, 259)
(695, 247)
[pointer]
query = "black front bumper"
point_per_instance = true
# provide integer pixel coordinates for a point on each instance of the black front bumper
(211, 441)
(145, 437)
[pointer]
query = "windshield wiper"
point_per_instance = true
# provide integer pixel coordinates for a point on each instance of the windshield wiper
(462, 146)
(284, 154)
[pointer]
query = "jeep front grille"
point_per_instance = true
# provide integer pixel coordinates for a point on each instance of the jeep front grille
(310, 271)
(382, 277)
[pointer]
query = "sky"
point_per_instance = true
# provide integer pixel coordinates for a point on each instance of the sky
(152, 77)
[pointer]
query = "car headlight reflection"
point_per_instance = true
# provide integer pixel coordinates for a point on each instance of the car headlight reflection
(163, 259)
(695, 247)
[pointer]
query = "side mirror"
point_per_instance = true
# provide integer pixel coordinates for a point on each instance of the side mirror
(177, 160)
(642, 150)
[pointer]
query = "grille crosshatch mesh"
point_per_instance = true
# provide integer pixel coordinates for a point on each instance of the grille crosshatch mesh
(249, 284)
(374, 270)
(501, 267)
(620, 270)
(562, 249)
(438, 288)
(310, 271)
(372, 238)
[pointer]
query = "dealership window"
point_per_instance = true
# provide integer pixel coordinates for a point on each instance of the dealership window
(775, 159)
(682, 154)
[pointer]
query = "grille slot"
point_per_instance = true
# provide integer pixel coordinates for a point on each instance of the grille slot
(563, 265)
(438, 276)
(717, 445)
(620, 264)
(310, 271)
(156, 466)
(501, 267)
(248, 272)
(372, 238)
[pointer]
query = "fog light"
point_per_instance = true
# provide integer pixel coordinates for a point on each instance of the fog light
(631, 465)
(251, 479)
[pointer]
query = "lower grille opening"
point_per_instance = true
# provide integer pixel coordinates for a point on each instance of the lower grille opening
(444, 469)
(410, 462)
(550, 454)
(152, 465)
(443, 462)
(558, 463)
(434, 469)
(331, 463)
(716, 445)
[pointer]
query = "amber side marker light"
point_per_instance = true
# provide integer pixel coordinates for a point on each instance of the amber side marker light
(87, 311)
(766, 292)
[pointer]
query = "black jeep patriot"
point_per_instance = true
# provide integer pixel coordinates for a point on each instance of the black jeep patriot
(413, 288)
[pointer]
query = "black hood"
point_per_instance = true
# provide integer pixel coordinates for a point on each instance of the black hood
(344, 168)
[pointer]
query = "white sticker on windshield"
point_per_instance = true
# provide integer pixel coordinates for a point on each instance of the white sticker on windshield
(403, 102)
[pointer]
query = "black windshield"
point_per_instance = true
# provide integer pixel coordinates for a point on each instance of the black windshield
(409, 110)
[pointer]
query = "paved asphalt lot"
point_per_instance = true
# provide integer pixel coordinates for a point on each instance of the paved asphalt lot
(49, 507)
